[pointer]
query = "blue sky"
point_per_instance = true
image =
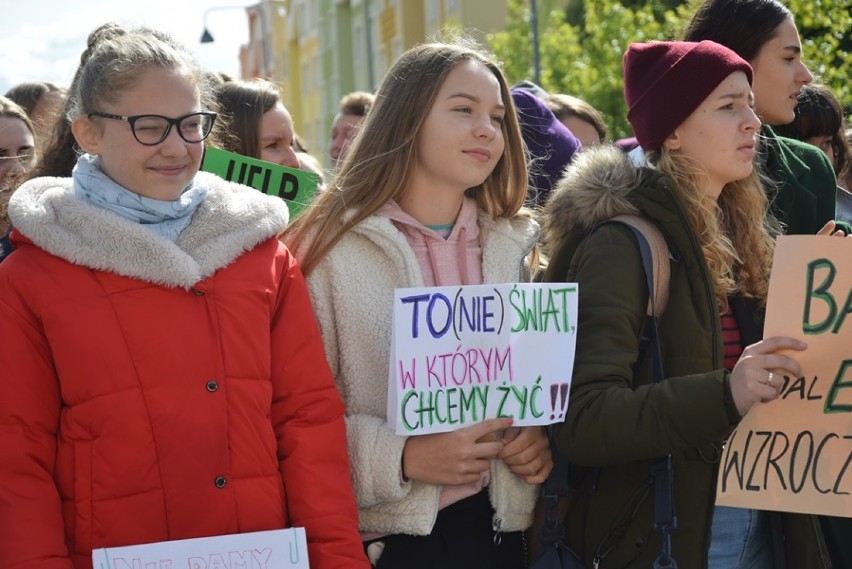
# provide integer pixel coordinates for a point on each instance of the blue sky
(41, 40)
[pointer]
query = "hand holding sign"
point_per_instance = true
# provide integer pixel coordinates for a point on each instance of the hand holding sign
(457, 457)
(830, 228)
(527, 453)
(749, 378)
(794, 454)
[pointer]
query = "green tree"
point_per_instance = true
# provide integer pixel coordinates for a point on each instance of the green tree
(584, 58)
(582, 45)
(825, 27)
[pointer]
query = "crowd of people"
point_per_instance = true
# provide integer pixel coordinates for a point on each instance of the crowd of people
(182, 359)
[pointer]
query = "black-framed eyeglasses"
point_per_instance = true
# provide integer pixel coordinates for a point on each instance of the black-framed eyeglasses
(151, 130)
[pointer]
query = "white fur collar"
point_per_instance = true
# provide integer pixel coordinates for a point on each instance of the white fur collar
(230, 221)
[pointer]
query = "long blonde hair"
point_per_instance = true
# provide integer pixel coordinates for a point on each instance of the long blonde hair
(378, 165)
(736, 232)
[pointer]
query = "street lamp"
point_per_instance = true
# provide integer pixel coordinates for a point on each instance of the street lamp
(536, 55)
(207, 37)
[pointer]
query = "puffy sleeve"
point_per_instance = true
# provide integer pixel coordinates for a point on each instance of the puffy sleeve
(32, 531)
(307, 413)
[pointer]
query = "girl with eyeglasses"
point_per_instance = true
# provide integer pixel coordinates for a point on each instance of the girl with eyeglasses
(163, 374)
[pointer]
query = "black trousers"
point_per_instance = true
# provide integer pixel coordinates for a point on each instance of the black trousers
(461, 539)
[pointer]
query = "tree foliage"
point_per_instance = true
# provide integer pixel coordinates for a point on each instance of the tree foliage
(582, 47)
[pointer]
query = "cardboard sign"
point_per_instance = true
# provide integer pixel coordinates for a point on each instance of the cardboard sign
(296, 187)
(793, 454)
(460, 355)
(276, 549)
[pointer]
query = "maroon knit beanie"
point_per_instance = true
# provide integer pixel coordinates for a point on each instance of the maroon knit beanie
(664, 82)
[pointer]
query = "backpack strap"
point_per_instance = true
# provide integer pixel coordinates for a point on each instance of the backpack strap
(655, 257)
(659, 252)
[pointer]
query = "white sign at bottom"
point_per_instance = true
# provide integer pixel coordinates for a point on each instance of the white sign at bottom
(276, 549)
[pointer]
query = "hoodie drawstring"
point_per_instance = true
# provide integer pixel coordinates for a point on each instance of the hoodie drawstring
(463, 255)
(462, 258)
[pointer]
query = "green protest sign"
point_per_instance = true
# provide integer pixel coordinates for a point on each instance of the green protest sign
(296, 187)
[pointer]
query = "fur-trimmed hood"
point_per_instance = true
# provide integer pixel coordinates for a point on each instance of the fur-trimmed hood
(231, 220)
(594, 187)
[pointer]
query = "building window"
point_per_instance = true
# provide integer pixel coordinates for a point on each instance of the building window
(432, 11)
(317, 73)
(302, 18)
(381, 62)
(396, 48)
(304, 79)
(358, 51)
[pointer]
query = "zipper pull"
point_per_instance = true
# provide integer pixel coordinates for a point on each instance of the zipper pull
(498, 535)
(596, 562)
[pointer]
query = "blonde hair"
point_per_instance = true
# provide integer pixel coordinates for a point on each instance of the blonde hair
(736, 232)
(378, 165)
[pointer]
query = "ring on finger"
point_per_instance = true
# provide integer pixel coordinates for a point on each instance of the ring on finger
(770, 378)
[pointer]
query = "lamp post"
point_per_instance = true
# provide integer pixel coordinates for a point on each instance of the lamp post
(207, 37)
(536, 56)
(369, 44)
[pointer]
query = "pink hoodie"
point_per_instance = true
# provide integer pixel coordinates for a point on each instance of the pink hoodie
(451, 261)
(445, 262)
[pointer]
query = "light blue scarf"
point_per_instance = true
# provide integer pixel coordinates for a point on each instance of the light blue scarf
(164, 218)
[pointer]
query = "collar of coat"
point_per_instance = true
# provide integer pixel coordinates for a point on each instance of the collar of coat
(231, 220)
(503, 241)
(602, 183)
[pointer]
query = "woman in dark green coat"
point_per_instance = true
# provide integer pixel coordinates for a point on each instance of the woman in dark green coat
(804, 187)
(691, 109)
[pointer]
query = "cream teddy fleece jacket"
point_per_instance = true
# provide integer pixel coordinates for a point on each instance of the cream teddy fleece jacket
(352, 292)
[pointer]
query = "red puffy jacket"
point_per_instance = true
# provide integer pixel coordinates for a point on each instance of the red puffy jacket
(133, 412)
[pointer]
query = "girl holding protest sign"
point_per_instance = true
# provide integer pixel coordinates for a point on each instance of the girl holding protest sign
(163, 374)
(430, 194)
(691, 107)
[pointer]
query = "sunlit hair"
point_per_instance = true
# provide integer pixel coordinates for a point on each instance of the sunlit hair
(60, 150)
(116, 66)
(743, 26)
(736, 232)
(818, 113)
(242, 105)
(564, 106)
(379, 164)
(28, 94)
(109, 66)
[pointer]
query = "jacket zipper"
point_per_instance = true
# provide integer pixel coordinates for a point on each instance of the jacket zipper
(498, 533)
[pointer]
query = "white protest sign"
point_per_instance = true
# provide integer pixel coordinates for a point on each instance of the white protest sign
(463, 354)
(275, 549)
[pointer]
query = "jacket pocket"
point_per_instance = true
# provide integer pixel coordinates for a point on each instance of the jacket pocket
(83, 498)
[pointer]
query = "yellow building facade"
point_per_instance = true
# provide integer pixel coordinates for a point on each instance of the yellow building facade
(324, 49)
